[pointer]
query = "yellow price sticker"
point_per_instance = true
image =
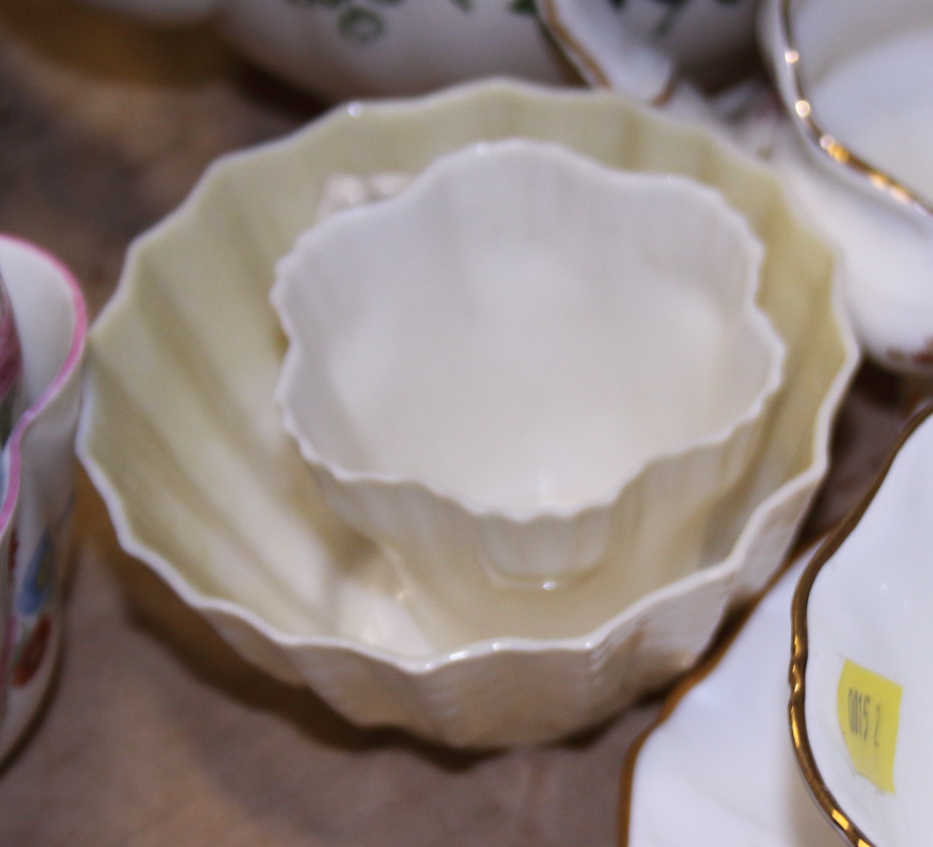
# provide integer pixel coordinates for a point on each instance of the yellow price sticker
(869, 707)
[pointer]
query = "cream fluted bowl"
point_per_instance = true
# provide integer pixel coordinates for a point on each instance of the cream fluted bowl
(497, 372)
(181, 434)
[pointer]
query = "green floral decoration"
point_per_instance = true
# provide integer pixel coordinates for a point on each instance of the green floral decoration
(523, 7)
(363, 24)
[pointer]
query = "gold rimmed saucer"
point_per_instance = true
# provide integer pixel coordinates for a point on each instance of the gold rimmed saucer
(871, 771)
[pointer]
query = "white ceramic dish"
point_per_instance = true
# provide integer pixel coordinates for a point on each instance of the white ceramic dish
(636, 47)
(205, 486)
(493, 373)
(857, 81)
(863, 625)
(354, 48)
(718, 769)
(38, 466)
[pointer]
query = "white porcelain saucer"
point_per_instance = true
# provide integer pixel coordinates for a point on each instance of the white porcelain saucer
(719, 770)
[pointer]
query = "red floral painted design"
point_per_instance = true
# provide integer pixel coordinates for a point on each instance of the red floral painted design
(14, 546)
(33, 652)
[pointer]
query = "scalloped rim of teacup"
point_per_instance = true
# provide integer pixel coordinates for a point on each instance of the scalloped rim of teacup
(751, 314)
(420, 666)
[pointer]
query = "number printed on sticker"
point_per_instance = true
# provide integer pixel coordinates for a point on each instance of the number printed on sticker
(869, 712)
(864, 716)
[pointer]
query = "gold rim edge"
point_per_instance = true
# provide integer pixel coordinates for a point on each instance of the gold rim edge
(568, 42)
(836, 151)
(590, 66)
(800, 647)
(827, 544)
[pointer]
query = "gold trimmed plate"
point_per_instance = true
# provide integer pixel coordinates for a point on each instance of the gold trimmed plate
(859, 667)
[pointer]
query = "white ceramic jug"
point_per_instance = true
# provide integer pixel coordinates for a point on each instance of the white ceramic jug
(856, 77)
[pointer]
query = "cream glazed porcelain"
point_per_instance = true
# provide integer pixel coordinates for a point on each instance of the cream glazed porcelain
(863, 625)
(38, 467)
(857, 80)
(206, 487)
(495, 373)
(354, 48)
(718, 770)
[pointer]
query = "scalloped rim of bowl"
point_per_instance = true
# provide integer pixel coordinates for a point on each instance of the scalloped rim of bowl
(423, 665)
(800, 653)
(723, 582)
(753, 317)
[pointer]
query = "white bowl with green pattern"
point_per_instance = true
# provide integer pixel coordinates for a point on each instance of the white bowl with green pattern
(359, 48)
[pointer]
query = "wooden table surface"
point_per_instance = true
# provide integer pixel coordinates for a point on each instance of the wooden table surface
(157, 733)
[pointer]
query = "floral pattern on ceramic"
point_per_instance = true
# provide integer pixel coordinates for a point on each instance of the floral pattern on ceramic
(363, 23)
(38, 579)
(7, 618)
(11, 365)
(34, 599)
(39, 467)
(342, 49)
(28, 659)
